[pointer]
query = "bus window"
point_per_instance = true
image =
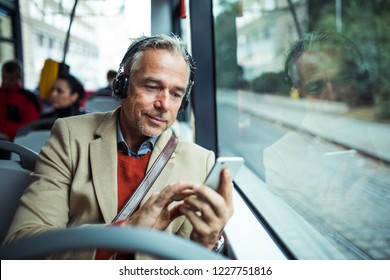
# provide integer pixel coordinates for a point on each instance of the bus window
(302, 95)
(6, 44)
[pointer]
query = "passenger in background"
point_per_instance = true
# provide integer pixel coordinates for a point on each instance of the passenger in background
(107, 90)
(93, 163)
(65, 98)
(18, 106)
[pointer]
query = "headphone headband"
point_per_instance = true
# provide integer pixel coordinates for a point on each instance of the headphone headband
(121, 82)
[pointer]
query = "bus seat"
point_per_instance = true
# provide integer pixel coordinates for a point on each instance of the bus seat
(15, 177)
(43, 124)
(34, 135)
(27, 157)
(132, 239)
(101, 103)
(35, 140)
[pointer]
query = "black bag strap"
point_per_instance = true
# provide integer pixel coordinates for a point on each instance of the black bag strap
(150, 177)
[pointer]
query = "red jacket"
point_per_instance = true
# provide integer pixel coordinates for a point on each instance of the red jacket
(17, 108)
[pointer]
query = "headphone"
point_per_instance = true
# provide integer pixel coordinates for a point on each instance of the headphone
(121, 82)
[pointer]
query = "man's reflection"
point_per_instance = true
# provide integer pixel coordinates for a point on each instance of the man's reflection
(335, 188)
(328, 66)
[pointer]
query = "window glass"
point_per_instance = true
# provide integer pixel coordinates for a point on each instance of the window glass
(5, 25)
(303, 96)
(6, 47)
(6, 51)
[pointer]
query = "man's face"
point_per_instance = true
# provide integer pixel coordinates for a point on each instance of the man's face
(155, 93)
(9, 80)
(324, 75)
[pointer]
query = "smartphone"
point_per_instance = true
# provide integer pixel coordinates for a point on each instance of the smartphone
(232, 163)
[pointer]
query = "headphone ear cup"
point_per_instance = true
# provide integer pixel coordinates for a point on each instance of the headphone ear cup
(185, 102)
(186, 98)
(120, 85)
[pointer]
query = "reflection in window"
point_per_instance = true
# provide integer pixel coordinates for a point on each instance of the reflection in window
(310, 112)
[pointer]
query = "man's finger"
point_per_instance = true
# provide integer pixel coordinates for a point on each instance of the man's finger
(171, 193)
(226, 187)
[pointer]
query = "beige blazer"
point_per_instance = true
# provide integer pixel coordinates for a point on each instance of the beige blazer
(75, 179)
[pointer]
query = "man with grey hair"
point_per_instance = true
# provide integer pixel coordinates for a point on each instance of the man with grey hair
(93, 163)
(328, 66)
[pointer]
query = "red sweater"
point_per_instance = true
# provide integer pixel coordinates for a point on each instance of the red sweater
(17, 108)
(131, 171)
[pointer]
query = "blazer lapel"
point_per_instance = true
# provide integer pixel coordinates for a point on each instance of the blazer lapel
(103, 157)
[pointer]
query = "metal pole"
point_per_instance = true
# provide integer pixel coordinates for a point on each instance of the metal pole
(295, 17)
(339, 20)
(66, 44)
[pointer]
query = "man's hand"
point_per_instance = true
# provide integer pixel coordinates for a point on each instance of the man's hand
(155, 214)
(209, 211)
